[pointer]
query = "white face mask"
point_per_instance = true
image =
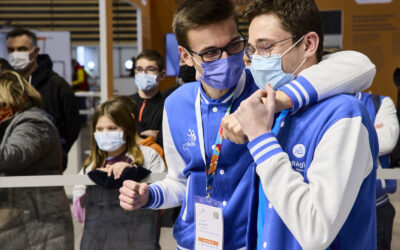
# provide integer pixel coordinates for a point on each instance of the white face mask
(146, 81)
(109, 141)
(19, 60)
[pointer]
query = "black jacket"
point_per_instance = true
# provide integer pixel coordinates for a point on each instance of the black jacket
(58, 99)
(152, 114)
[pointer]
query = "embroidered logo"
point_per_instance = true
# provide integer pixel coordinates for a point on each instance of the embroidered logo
(299, 150)
(191, 140)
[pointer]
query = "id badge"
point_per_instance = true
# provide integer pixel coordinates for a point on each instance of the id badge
(209, 224)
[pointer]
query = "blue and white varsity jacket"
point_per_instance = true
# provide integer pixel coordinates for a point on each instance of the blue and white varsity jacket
(318, 180)
(387, 129)
(190, 124)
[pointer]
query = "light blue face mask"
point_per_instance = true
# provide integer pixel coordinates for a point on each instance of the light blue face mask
(146, 81)
(269, 70)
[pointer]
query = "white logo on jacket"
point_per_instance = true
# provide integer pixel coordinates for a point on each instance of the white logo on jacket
(299, 150)
(191, 140)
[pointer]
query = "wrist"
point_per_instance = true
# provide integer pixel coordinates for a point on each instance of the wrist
(147, 203)
(256, 133)
(283, 101)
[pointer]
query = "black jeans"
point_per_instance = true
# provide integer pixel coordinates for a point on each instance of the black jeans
(384, 220)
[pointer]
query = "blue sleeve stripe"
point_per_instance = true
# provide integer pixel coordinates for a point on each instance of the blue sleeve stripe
(309, 88)
(271, 153)
(266, 151)
(157, 197)
(301, 92)
(261, 145)
(264, 147)
(253, 143)
(261, 149)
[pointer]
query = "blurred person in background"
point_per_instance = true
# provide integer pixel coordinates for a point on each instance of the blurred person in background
(149, 71)
(383, 114)
(36, 217)
(57, 95)
(80, 83)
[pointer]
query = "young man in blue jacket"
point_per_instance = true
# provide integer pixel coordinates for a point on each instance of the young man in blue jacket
(314, 183)
(199, 163)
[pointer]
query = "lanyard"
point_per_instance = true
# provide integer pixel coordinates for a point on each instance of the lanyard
(210, 174)
(238, 90)
(278, 120)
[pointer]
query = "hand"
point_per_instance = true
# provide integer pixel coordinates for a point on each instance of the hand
(380, 125)
(232, 130)
(150, 132)
(117, 169)
(254, 116)
(133, 195)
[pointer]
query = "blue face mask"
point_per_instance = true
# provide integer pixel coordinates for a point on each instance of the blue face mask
(269, 70)
(223, 73)
(146, 81)
(109, 141)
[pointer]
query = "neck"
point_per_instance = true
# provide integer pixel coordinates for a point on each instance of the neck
(213, 93)
(28, 71)
(147, 94)
(116, 152)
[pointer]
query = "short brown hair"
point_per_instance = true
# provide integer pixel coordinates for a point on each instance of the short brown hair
(152, 55)
(298, 17)
(21, 32)
(194, 13)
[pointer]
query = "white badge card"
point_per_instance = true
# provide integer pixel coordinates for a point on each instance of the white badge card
(209, 224)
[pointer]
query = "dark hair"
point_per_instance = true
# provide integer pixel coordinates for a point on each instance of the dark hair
(21, 32)
(4, 65)
(194, 13)
(298, 17)
(131, 104)
(153, 55)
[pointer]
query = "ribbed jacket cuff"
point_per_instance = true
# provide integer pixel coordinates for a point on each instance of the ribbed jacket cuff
(157, 197)
(264, 147)
(300, 92)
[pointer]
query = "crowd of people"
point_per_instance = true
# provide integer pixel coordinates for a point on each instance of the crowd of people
(267, 142)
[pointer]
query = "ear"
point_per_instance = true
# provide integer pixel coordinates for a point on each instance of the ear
(185, 56)
(161, 75)
(35, 51)
(311, 41)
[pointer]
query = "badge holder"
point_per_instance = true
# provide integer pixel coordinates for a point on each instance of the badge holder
(209, 223)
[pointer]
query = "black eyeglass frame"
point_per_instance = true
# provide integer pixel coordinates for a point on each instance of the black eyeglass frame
(221, 50)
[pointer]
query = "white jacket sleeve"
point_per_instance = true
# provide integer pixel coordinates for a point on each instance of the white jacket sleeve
(78, 190)
(152, 160)
(169, 192)
(335, 176)
(341, 72)
(387, 126)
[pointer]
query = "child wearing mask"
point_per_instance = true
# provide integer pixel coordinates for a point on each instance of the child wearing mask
(149, 71)
(115, 156)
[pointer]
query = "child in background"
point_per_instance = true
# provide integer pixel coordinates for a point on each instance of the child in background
(149, 141)
(113, 150)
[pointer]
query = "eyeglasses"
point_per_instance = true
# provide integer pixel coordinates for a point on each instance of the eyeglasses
(263, 48)
(215, 54)
(149, 69)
